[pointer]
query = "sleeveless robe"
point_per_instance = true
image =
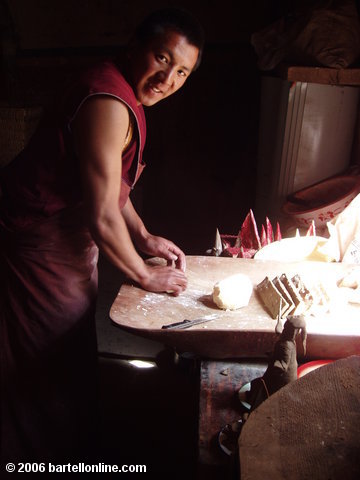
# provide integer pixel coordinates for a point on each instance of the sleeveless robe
(48, 284)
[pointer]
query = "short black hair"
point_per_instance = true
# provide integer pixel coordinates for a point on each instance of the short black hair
(179, 20)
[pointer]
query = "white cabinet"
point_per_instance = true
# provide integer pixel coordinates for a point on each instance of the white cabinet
(306, 135)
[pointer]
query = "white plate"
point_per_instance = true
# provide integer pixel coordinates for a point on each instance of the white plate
(295, 249)
(228, 437)
(242, 393)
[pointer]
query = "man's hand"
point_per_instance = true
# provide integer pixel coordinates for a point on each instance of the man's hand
(152, 244)
(164, 279)
(163, 248)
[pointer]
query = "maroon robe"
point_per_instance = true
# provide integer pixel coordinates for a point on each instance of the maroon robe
(48, 285)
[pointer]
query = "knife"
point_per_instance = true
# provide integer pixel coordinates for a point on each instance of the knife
(189, 323)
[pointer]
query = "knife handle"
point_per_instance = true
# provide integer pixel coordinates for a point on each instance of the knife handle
(176, 325)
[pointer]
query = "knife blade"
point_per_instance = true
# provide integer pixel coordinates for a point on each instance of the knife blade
(189, 323)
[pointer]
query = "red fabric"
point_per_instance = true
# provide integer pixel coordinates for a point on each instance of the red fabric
(48, 287)
(44, 178)
(107, 78)
(48, 284)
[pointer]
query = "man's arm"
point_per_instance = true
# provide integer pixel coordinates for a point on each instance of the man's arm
(151, 244)
(99, 130)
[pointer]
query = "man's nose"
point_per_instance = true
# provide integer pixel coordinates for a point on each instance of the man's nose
(167, 76)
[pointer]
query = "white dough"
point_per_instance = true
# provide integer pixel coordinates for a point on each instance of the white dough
(233, 292)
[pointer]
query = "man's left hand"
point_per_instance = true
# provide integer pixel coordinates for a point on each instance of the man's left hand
(163, 248)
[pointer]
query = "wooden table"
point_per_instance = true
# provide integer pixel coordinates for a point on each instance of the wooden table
(218, 406)
(308, 429)
(247, 332)
(233, 348)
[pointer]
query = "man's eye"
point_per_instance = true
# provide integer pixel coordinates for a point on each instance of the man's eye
(161, 58)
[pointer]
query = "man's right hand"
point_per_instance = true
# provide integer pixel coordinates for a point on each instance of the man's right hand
(164, 279)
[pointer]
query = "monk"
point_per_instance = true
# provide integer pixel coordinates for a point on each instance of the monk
(64, 198)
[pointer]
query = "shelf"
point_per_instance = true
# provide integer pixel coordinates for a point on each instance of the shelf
(325, 76)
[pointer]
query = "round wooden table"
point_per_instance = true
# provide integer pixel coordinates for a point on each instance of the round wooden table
(310, 429)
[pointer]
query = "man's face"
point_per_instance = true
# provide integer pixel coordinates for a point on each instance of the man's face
(161, 67)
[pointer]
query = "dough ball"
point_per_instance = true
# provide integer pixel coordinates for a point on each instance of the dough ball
(233, 292)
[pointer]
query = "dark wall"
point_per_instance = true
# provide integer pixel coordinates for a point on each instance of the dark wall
(202, 159)
(202, 142)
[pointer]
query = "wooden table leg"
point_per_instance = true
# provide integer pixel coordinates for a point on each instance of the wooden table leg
(218, 406)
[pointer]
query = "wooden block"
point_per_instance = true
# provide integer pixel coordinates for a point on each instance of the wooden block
(272, 298)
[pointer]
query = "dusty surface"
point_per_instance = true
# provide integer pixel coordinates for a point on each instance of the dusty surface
(307, 430)
(248, 331)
